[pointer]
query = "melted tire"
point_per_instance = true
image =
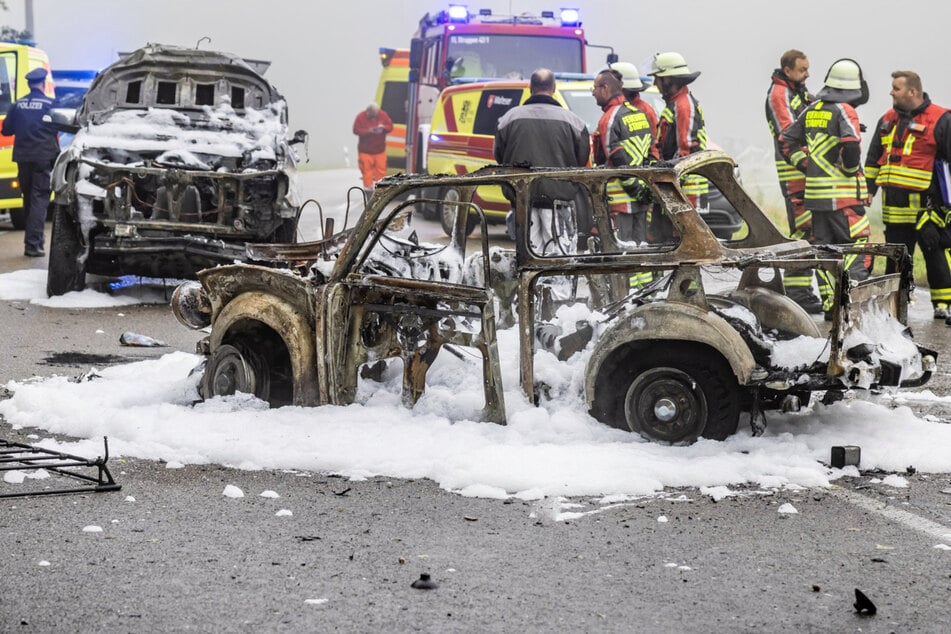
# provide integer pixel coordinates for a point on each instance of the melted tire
(673, 395)
(66, 272)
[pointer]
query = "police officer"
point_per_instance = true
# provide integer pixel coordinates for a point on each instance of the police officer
(35, 147)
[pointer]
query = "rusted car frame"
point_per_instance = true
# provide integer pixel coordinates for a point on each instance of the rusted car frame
(674, 360)
(180, 159)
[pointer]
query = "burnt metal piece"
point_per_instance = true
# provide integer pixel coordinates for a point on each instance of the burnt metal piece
(21, 457)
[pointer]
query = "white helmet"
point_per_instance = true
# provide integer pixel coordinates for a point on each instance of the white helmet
(630, 76)
(670, 65)
(844, 74)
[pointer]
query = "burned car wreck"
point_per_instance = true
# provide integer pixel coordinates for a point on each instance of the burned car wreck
(674, 339)
(180, 158)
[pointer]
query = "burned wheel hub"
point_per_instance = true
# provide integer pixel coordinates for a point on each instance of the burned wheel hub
(230, 370)
(666, 404)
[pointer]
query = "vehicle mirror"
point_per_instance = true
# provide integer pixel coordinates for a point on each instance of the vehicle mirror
(62, 119)
(300, 136)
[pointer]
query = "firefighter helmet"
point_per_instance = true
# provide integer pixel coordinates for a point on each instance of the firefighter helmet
(844, 74)
(669, 65)
(630, 76)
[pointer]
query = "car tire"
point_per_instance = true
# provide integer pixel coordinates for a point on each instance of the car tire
(18, 218)
(67, 269)
(673, 394)
(447, 212)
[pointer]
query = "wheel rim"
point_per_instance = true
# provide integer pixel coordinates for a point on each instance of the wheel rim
(231, 370)
(447, 209)
(666, 404)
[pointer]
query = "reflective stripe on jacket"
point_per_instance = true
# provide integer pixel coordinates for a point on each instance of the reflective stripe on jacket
(815, 143)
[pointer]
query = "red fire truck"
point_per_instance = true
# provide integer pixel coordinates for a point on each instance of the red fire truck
(455, 46)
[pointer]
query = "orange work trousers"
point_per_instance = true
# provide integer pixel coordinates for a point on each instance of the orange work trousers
(372, 167)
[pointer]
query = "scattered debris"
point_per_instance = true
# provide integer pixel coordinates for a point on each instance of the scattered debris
(284, 513)
(816, 588)
(18, 458)
(92, 529)
(269, 494)
(863, 605)
(342, 493)
(788, 509)
(469, 518)
(424, 583)
(140, 341)
(849, 455)
(910, 470)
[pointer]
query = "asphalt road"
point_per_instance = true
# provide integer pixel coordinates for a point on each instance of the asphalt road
(182, 557)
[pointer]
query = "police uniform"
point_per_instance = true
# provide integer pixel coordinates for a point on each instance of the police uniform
(35, 148)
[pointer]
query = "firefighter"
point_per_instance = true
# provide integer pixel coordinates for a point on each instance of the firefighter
(681, 131)
(631, 88)
(786, 98)
(623, 138)
(901, 161)
(824, 143)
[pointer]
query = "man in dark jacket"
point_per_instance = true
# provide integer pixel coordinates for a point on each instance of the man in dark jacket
(35, 147)
(543, 133)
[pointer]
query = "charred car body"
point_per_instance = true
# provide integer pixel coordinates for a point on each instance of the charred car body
(707, 335)
(180, 158)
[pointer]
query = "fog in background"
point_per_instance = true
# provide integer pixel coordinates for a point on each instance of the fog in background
(324, 54)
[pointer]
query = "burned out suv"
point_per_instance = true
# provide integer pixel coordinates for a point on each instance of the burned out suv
(180, 158)
(673, 340)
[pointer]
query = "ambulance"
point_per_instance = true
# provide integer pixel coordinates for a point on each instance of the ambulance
(392, 96)
(16, 60)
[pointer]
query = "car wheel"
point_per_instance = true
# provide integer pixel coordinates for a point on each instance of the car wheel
(232, 369)
(18, 218)
(67, 269)
(447, 212)
(674, 395)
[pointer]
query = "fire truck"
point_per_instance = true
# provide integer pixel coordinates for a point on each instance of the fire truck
(455, 46)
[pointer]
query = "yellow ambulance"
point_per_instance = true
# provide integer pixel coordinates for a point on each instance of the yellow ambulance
(16, 60)
(391, 96)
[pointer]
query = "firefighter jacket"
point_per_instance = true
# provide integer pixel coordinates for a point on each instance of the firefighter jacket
(623, 138)
(682, 131)
(34, 141)
(901, 159)
(824, 144)
(372, 132)
(641, 104)
(785, 101)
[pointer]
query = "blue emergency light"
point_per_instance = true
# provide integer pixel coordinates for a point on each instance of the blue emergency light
(458, 13)
(570, 17)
